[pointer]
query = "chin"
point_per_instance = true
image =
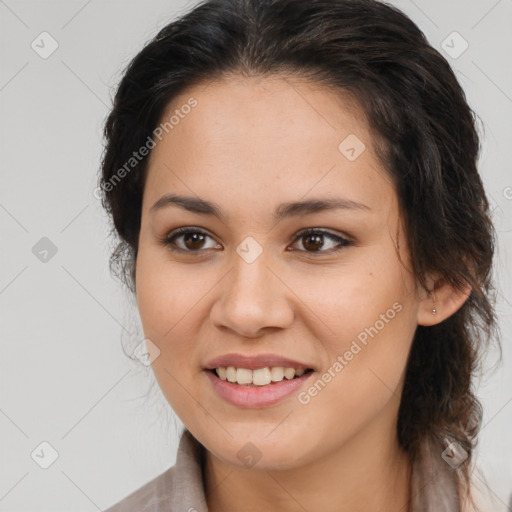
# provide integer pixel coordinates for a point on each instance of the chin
(258, 450)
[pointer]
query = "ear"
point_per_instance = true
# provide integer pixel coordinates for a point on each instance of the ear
(441, 297)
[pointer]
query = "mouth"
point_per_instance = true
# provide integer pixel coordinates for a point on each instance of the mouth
(258, 377)
(256, 380)
(250, 389)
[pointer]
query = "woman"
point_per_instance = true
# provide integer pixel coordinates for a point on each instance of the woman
(300, 216)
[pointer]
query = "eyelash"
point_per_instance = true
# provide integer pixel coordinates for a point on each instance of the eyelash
(168, 240)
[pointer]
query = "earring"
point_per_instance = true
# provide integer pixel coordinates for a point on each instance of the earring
(434, 311)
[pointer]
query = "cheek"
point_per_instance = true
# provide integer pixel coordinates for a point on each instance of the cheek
(165, 300)
(351, 297)
(368, 320)
(364, 373)
(172, 300)
(165, 293)
(153, 300)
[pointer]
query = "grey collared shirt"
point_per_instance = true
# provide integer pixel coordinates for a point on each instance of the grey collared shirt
(180, 488)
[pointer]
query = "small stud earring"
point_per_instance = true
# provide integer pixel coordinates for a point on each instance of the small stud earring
(434, 311)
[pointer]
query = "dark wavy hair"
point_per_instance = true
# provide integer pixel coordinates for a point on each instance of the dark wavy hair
(424, 134)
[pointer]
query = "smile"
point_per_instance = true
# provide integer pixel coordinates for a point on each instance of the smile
(255, 389)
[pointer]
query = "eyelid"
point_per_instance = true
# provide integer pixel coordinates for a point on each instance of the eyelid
(342, 239)
(324, 231)
(166, 239)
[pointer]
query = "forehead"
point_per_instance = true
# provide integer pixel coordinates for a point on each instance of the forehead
(266, 137)
(263, 107)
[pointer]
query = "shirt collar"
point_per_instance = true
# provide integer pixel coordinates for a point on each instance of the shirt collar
(433, 482)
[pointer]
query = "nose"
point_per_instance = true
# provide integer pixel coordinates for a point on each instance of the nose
(253, 299)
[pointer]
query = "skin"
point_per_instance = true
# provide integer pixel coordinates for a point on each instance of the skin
(249, 145)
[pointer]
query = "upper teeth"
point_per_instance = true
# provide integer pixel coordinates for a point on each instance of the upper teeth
(259, 377)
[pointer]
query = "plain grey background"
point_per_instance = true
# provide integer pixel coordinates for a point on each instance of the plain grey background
(64, 378)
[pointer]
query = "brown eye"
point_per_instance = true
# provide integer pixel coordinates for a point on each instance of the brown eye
(313, 240)
(193, 241)
(188, 240)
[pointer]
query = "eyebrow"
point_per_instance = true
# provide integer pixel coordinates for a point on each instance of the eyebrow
(290, 209)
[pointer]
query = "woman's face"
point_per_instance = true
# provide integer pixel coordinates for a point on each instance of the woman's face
(339, 301)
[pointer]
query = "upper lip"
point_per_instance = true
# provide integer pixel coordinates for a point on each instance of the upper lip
(254, 362)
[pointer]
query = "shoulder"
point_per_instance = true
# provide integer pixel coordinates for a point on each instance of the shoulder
(151, 497)
(436, 486)
(179, 488)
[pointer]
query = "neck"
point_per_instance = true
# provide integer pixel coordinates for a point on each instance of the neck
(370, 474)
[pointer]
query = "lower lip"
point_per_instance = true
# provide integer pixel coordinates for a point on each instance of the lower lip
(256, 396)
